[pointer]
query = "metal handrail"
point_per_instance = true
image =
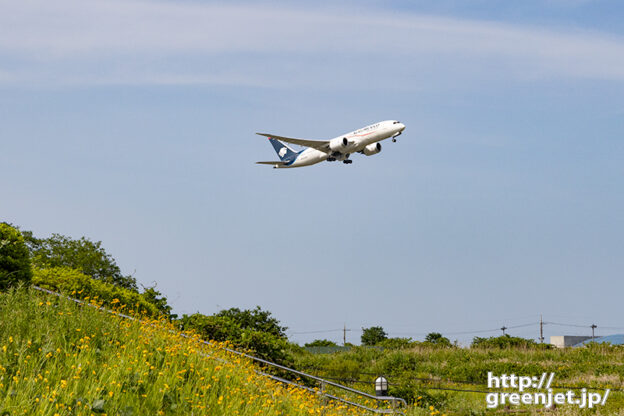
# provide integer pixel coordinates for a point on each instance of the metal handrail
(319, 379)
(330, 396)
(392, 400)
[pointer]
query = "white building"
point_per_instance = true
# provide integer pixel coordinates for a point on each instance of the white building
(562, 341)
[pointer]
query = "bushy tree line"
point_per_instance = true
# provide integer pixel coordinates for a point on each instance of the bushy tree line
(376, 336)
(82, 254)
(69, 265)
(82, 268)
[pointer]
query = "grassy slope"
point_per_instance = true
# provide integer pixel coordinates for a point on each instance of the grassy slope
(597, 366)
(60, 358)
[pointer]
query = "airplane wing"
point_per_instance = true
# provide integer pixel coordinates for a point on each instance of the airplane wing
(279, 162)
(322, 145)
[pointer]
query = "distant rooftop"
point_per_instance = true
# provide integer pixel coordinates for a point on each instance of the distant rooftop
(616, 339)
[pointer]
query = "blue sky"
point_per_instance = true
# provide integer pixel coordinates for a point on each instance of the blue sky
(132, 122)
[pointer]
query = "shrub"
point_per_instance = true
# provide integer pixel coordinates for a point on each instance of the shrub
(435, 338)
(14, 257)
(75, 283)
(397, 362)
(262, 344)
(213, 328)
(396, 343)
(153, 296)
(321, 343)
(255, 319)
(504, 341)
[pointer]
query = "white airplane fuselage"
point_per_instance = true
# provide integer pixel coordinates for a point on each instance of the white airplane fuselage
(357, 141)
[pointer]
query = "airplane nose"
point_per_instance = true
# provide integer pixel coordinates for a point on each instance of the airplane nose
(402, 126)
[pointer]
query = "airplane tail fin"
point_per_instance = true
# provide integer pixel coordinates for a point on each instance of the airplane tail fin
(282, 150)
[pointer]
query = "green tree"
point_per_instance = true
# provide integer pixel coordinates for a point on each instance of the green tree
(15, 264)
(83, 254)
(255, 319)
(321, 343)
(156, 298)
(223, 328)
(436, 338)
(373, 335)
(212, 327)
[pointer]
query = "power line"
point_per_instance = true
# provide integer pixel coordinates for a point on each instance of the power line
(321, 331)
(478, 331)
(540, 323)
(562, 324)
(523, 325)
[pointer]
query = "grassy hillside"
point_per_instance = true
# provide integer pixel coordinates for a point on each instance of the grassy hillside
(60, 358)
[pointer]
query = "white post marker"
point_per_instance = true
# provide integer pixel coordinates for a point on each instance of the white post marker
(381, 386)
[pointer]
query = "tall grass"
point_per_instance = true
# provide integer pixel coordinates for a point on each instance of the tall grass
(60, 358)
(416, 373)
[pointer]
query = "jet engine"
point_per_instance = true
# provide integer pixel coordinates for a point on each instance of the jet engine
(372, 149)
(341, 145)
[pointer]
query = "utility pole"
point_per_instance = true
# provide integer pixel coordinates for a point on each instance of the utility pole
(594, 326)
(503, 329)
(344, 335)
(541, 329)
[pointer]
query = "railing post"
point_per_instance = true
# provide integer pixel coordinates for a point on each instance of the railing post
(322, 397)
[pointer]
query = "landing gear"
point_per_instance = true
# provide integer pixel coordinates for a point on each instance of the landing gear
(393, 140)
(331, 159)
(347, 161)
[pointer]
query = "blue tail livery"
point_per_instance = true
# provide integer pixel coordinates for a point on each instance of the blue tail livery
(284, 152)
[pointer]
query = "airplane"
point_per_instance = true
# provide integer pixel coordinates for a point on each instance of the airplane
(365, 140)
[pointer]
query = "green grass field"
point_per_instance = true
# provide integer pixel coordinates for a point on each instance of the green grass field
(420, 373)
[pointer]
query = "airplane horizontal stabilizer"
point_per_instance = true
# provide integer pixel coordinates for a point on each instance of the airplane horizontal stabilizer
(279, 162)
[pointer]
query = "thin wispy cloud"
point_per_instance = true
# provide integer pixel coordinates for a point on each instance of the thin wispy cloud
(569, 3)
(157, 42)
